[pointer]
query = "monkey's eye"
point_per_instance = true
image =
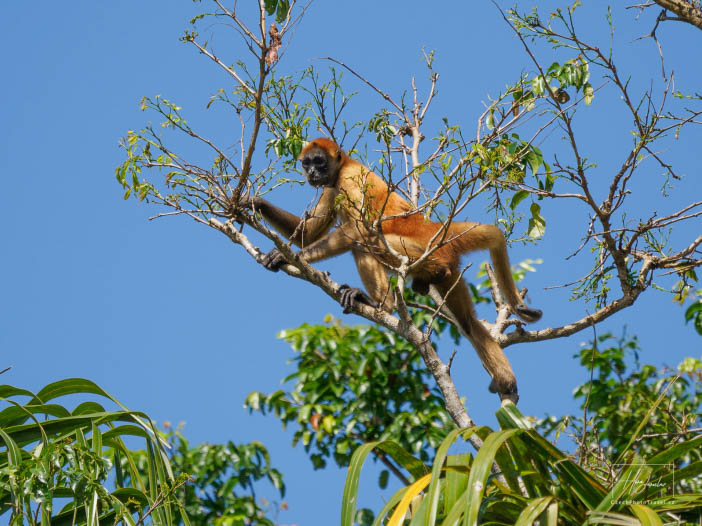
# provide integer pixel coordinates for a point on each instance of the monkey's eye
(305, 162)
(319, 161)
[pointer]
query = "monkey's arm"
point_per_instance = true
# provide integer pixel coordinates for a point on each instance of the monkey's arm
(301, 231)
(339, 241)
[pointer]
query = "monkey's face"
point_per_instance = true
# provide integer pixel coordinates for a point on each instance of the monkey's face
(319, 167)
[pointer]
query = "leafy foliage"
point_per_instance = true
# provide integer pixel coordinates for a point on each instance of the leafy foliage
(619, 399)
(222, 478)
(534, 482)
(353, 385)
(54, 456)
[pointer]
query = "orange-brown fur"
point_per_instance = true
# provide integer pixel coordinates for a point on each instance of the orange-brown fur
(362, 200)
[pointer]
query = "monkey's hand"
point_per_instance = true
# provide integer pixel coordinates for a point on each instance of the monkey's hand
(527, 314)
(274, 260)
(249, 202)
(351, 297)
(506, 392)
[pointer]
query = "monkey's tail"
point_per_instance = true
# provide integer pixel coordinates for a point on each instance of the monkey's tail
(464, 237)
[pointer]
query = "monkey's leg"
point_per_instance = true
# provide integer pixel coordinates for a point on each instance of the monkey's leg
(374, 278)
(434, 270)
(460, 304)
(490, 237)
(341, 240)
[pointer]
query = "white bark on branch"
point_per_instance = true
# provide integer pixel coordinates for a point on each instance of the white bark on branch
(687, 11)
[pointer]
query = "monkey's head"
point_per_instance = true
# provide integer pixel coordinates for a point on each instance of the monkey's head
(321, 161)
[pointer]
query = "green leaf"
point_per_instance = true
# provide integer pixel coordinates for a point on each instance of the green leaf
(457, 510)
(538, 85)
(416, 467)
(517, 198)
(480, 471)
(510, 417)
(643, 423)
(549, 181)
(348, 502)
(537, 224)
(534, 159)
(14, 454)
(693, 310)
(532, 511)
(432, 493)
(646, 515)
(490, 120)
(96, 439)
(456, 480)
(629, 484)
(348, 506)
(270, 6)
(383, 479)
(328, 424)
(552, 514)
(253, 401)
(8, 391)
(87, 408)
(612, 519)
(118, 432)
(282, 12)
(678, 450)
(63, 464)
(582, 483)
(62, 427)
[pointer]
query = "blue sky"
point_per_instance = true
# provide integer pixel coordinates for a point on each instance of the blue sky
(172, 318)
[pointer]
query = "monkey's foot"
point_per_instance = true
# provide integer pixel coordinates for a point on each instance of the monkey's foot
(274, 260)
(506, 392)
(527, 314)
(351, 297)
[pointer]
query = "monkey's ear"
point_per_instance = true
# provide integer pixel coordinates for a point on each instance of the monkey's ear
(338, 154)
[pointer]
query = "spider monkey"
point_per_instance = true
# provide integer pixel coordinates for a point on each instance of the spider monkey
(357, 197)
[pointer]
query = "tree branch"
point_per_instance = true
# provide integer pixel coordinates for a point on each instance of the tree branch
(687, 11)
(299, 269)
